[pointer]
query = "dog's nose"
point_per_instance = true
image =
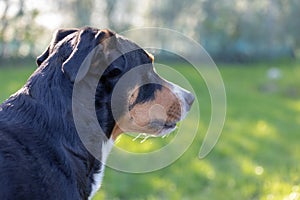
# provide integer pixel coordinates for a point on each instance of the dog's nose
(189, 98)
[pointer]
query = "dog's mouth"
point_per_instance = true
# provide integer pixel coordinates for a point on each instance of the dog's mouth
(162, 127)
(170, 125)
(164, 120)
(161, 124)
(167, 129)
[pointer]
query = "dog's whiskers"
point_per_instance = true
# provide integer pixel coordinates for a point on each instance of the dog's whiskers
(137, 137)
(146, 137)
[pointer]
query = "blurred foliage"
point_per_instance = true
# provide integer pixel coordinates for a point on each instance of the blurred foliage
(233, 30)
(18, 30)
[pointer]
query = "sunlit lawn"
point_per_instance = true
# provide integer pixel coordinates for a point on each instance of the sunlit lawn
(258, 153)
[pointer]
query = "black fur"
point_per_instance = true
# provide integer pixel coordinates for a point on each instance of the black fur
(41, 154)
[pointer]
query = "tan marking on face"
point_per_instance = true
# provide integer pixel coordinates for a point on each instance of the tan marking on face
(150, 117)
(171, 104)
(174, 112)
(116, 132)
(107, 34)
(133, 96)
(150, 56)
(109, 43)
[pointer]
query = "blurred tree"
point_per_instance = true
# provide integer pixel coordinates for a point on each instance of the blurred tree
(229, 30)
(3, 27)
(239, 30)
(79, 11)
(18, 30)
(167, 13)
(121, 15)
(291, 23)
(110, 8)
(82, 11)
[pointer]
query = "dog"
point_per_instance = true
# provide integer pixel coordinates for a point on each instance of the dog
(42, 153)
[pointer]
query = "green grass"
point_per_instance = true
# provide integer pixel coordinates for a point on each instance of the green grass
(12, 79)
(256, 157)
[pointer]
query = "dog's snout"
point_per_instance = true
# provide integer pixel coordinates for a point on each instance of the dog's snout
(189, 98)
(185, 97)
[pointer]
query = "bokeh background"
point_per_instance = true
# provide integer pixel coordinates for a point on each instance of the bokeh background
(233, 30)
(255, 44)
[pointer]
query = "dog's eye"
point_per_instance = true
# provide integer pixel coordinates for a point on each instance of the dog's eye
(114, 73)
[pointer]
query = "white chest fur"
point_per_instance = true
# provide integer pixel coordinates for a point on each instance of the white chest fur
(106, 148)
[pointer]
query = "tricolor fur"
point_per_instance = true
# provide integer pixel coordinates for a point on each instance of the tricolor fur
(41, 153)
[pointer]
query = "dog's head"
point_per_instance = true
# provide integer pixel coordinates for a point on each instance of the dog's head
(130, 96)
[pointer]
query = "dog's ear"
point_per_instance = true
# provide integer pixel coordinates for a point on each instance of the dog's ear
(57, 37)
(88, 43)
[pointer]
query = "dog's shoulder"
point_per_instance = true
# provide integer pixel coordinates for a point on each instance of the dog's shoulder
(28, 155)
(30, 152)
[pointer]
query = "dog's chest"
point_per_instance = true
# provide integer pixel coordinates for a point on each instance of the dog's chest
(97, 177)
